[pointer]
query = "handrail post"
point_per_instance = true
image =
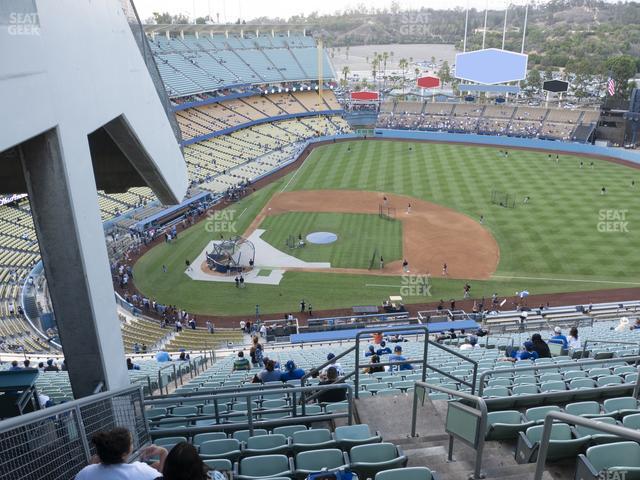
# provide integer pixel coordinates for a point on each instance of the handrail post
(636, 389)
(414, 411)
(250, 413)
(357, 379)
(544, 447)
(425, 354)
(350, 403)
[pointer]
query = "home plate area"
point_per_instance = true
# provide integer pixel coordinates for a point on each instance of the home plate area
(268, 267)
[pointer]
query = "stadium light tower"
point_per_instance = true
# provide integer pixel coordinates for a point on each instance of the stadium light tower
(81, 110)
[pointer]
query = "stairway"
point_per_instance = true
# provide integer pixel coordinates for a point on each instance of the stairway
(391, 416)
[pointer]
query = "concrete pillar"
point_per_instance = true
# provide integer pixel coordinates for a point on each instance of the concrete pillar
(60, 181)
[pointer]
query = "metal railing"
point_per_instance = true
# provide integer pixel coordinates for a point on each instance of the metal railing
(619, 431)
(54, 443)
(161, 375)
(291, 415)
(482, 413)
(403, 329)
(424, 360)
(551, 365)
(607, 342)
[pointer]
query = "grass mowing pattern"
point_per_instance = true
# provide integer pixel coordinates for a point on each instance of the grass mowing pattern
(359, 235)
(555, 237)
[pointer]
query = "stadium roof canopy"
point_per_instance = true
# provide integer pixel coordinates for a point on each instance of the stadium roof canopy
(218, 29)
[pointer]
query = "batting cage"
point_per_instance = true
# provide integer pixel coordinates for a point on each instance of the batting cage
(388, 213)
(234, 255)
(503, 199)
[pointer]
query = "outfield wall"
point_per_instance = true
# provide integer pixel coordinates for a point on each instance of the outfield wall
(514, 142)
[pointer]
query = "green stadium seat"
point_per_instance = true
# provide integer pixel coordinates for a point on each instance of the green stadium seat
(632, 421)
(266, 445)
(243, 435)
(597, 437)
(317, 460)
(584, 409)
(264, 466)
(353, 435)
(228, 448)
(169, 442)
(571, 374)
(615, 460)
(621, 406)
(289, 430)
(411, 473)
(562, 444)
(155, 413)
(187, 411)
(315, 438)
(537, 414)
(505, 424)
(578, 383)
(337, 407)
(220, 464)
(609, 380)
(200, 438)
(368, 460)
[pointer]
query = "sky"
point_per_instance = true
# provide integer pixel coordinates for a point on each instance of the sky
(230, 10)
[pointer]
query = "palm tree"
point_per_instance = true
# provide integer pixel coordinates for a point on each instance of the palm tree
(385, 57)
(345, 73)
(403, 64)
(375, 63)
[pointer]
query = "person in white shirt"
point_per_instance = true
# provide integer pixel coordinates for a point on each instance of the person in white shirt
(338, 367)
(470, 344)
(573, 341)
(113, 447)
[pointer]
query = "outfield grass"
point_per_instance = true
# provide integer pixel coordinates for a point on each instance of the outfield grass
(553, 244)
(555, 234)
(359, 237)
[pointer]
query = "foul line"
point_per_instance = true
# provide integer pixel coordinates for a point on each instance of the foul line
(242, 212)
(379, 285)
(565, 280)
(295, 173)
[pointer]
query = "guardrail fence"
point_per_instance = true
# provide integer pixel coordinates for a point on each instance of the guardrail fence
(54, 444)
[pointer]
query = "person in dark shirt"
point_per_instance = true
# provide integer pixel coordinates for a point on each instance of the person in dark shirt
(540, 346)
(292, 372)
(374, 366)
(336, 395)
(51, 367)
(383, 350)
(371, 352)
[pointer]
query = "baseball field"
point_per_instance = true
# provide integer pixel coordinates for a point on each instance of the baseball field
(503, 223)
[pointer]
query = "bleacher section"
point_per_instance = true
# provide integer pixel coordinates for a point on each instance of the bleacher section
(141, 331)
(551, 123)
(225, 161)
(203, 120)
(201, 339)
(192, 65)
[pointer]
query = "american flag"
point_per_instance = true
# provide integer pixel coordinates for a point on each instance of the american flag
(611, 86)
